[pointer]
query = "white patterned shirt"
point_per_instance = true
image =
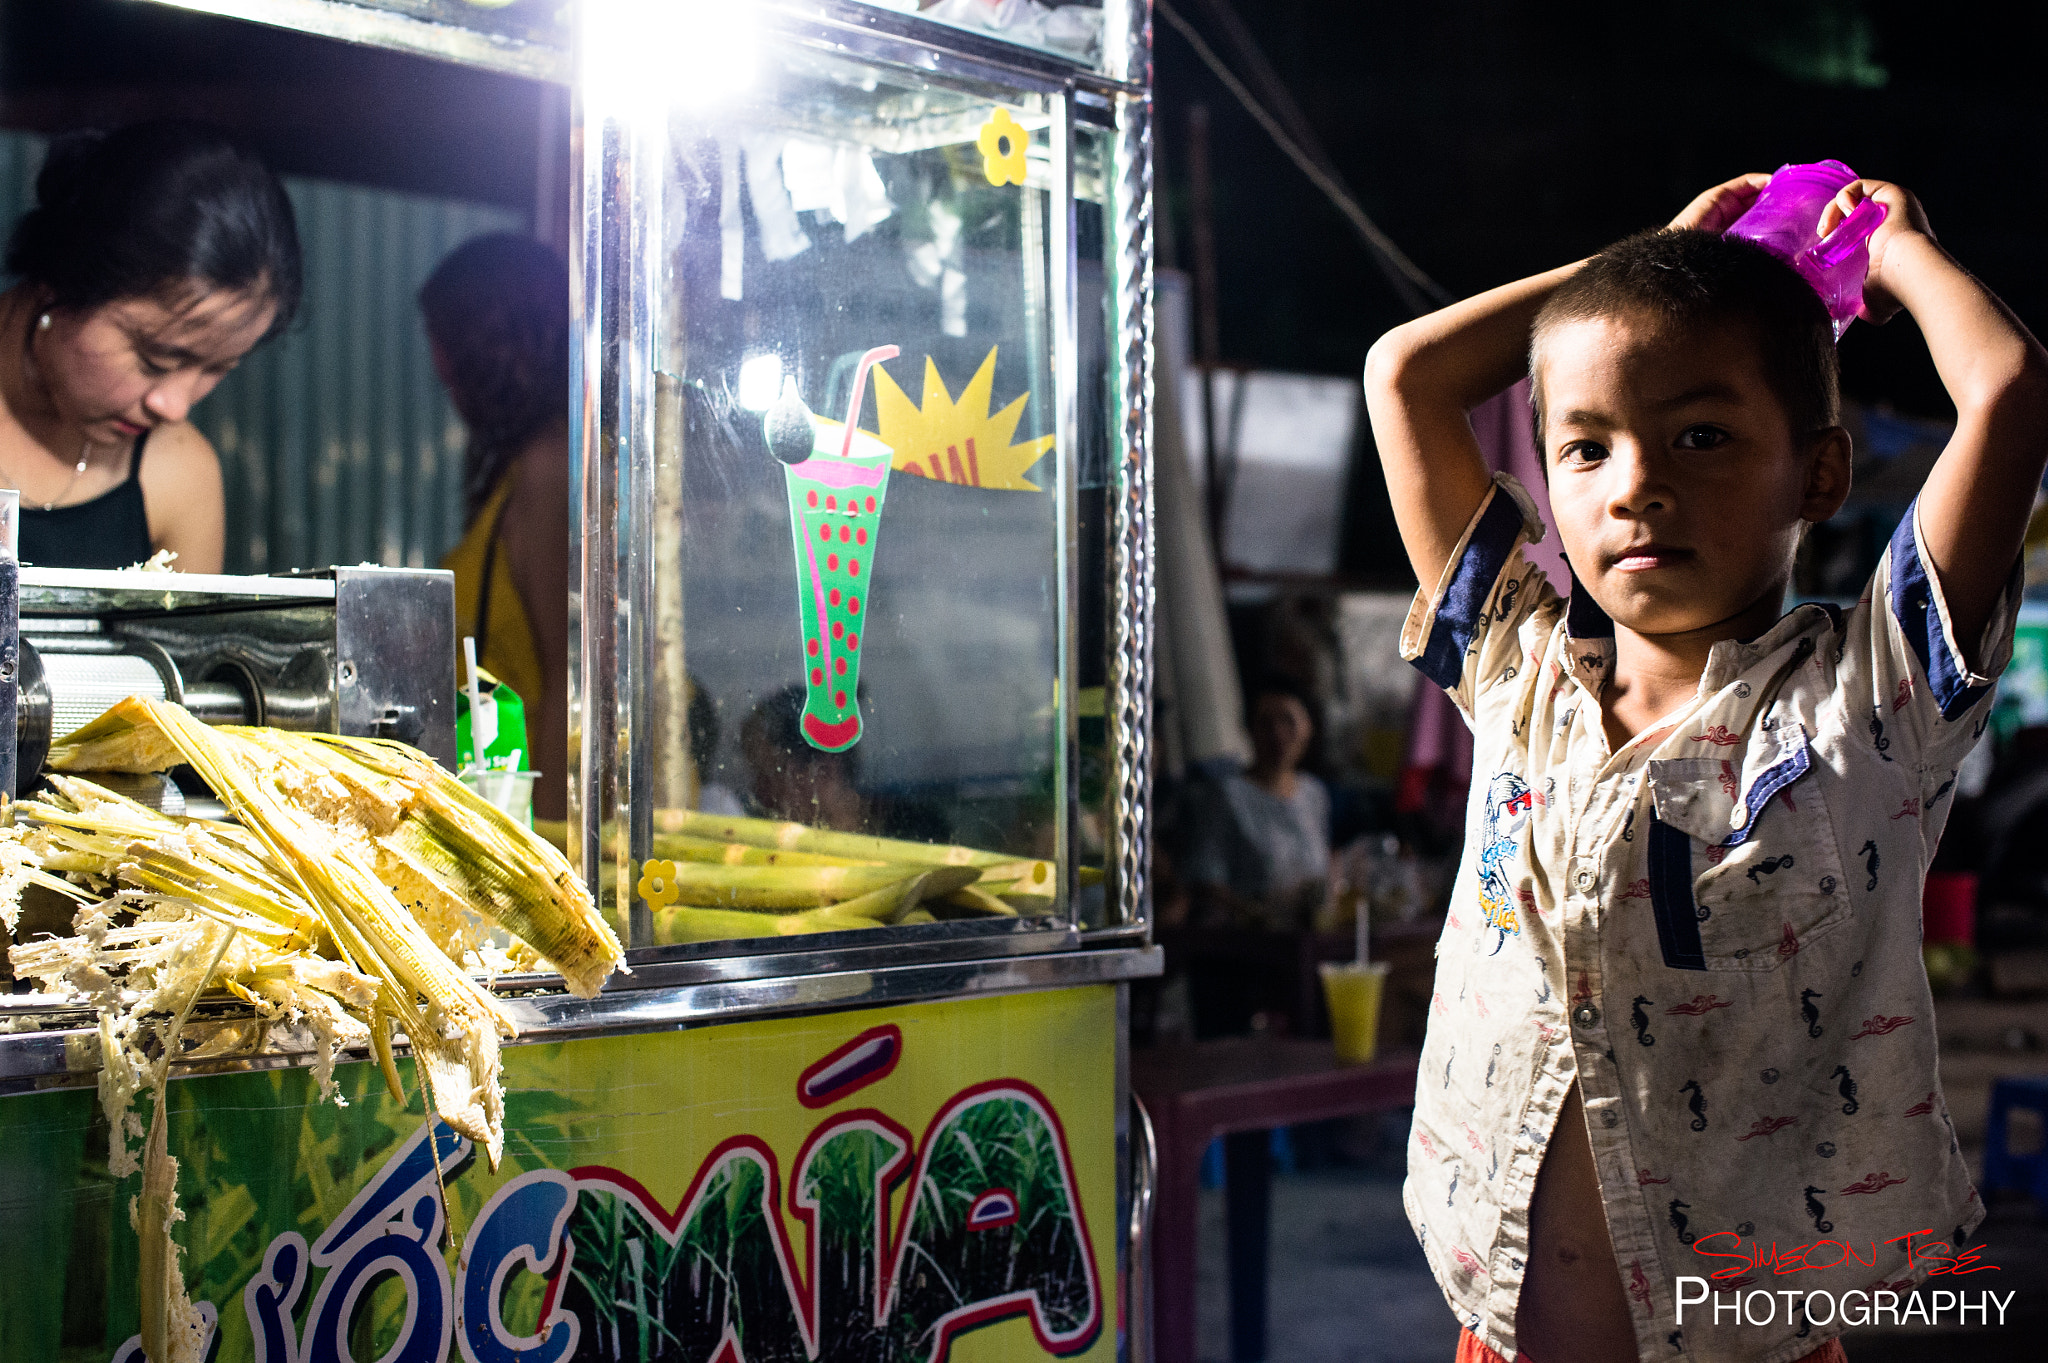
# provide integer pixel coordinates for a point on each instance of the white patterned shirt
(1714, 931)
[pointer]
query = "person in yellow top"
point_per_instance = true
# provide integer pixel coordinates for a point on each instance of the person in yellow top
(497, 317)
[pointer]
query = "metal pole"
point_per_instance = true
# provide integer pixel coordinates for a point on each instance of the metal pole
(1202, 221)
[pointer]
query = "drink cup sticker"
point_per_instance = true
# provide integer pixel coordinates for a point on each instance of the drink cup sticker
(837, 485)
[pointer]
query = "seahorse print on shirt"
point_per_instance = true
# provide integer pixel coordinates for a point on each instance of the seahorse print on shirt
(1678, 1221)
(1697, 1103)
(1870, 861)
(1769, 866)
(1817, 1210)
(1877, 738)
(1641, 1020)
(1809, 1012)
(1847, 1088)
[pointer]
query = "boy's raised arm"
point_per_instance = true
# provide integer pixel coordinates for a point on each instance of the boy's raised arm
(1423, 377)
(1975, 504)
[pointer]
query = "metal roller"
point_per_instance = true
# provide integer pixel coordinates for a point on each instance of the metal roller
(67, 683)
(83, 685)
(364, 650)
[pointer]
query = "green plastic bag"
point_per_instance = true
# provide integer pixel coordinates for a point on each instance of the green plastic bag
(502, 728)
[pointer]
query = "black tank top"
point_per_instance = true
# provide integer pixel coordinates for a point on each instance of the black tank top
(110, 531)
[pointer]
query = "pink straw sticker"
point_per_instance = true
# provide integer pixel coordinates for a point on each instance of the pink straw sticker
(860, 384)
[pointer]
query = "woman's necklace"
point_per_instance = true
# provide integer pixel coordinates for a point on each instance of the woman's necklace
(77, 472)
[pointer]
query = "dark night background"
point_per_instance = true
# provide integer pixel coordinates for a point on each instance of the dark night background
(1494, 139)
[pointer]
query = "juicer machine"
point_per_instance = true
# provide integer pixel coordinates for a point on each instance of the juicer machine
(365, 651)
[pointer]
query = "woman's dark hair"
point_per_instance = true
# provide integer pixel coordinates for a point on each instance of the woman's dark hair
(1304, 696)
(128, 213)
(1293, 690)
(498, 309)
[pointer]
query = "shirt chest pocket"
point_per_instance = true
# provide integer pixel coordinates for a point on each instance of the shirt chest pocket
(1744, 867)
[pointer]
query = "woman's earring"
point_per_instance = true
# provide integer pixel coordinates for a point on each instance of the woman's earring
(43, 322)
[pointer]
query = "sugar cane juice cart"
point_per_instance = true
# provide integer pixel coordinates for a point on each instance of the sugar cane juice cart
(859, 422)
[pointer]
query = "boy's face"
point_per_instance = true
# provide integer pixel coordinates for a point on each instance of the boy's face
(1677, 484)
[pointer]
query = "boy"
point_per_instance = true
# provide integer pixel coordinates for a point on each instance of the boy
(1680, 1006)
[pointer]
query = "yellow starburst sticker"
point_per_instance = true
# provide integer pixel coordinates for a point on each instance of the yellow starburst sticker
(957, 442)
(1002, 141)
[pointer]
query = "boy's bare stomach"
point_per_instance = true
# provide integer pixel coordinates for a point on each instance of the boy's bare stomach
(1572, 1308)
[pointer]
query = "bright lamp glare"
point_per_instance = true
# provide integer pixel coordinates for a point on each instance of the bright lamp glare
(760, 381)
(648, 54)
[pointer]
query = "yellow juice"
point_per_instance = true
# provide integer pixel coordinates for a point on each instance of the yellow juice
(1353, 992)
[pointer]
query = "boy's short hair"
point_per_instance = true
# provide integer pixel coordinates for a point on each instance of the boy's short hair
(1689, 278)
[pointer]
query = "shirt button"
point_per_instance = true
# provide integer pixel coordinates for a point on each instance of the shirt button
(1585, 880)
(1585, 1015)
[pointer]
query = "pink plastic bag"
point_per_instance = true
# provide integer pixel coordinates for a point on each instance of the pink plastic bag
(1785, 220)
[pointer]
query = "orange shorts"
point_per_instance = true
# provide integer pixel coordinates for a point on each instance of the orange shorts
(1470, 1350)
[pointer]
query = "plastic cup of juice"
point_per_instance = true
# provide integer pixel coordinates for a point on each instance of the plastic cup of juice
(835, 516)
(1353, 993)
(510, 791)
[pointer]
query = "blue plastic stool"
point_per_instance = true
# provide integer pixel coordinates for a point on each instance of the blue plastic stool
(2003, 1170)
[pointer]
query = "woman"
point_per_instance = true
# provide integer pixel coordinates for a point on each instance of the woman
(1258, 851)
(155, 258)
(497, 314)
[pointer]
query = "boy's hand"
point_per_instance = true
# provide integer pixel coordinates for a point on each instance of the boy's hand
(1718, 208)
(1974, 506)
(1903, 217)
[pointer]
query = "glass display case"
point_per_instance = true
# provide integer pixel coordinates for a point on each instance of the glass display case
(859, 673)
(861, 378)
